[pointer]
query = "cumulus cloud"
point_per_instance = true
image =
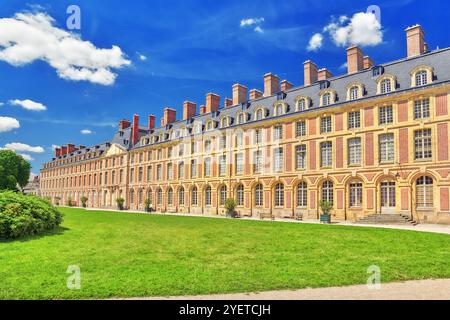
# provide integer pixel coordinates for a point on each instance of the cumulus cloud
(8, 124)
(315, 43)
(255, 23)
(28, 104)
(86, 131)
(28, 37)
(26, 156)
(363, 29)
(21, 147)
(142, 57)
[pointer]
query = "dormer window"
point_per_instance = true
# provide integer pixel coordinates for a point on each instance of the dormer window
(209, 125)
(421, 75)
(377, 71)
(224, 122)
(259, 114)
(354, 93)
(280, 108)
(242, 118)
(302, 103)
(325, 84)
(386, 84)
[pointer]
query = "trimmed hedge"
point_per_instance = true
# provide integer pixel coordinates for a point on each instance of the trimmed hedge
(24, 215)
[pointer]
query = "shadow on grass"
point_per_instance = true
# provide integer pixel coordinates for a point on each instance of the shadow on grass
(47, 233)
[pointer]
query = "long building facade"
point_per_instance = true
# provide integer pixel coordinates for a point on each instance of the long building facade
(374, 140)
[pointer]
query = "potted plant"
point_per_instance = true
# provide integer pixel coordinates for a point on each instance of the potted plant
(230, 206)
(57, 199)
(120, 202)
(83, 201)
(147, 205)
(325, 207)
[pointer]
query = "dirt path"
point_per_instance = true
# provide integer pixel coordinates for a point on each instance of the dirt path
(410, 290)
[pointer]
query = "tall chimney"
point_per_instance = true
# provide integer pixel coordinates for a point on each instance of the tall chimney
(239, 94)
(189, 109)
(415, 41)
(271, 84)
(57, 152)
(212, 102)
(202, 109)
(70, 148)
(170, 116)
(309, 72)
(324, 74)
(135, 136)
(228, 102)
(123, 124)
(368, 62)
(355, 60)
(255, 94)
(286, 85)
(63, 150)
(151, 122)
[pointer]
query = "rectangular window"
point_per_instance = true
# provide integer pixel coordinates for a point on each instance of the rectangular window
(354, 151)
(222, 165)
(385, 115)
(223, 142)
(170, 152)
(354, 120)
(422, 144)
(169, 171)
(300, 129)
(326, 154)
(386, 147)
(208, 146)
(181, 170)
(159, 172)
(325, 124)
(239, 163)
(180, 150)
(300, 156)
(422, 109)
(207, 165)
(193, 147)
(193, 168)
(131, 175)
(258, 136)
(278, 159)
(140, 174)
(149, 173)
(258, 165)
(277, 133)
(239, 139)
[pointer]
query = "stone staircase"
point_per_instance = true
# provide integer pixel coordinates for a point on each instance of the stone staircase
(387, 219)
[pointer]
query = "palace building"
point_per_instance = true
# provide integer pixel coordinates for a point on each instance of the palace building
(372, 141)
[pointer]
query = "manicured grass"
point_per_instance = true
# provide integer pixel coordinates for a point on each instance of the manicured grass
(130, 255)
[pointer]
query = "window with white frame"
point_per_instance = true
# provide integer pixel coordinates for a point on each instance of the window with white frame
(131, 176)
(150, 196)
(354, 120)
(328, 192)
(159, 197)
(208, 146)
(278, 159)
(223, 142)
(258, 136)
(169, 171)
(181, 170)
(385, 86)
(208, 196)
(355, 194)
(302, 195)
(170, 197)
(194, 194)
(259, 195)
(422, 109)
(207, 165)
(385, 115)
(181, 196)
(193, 147)
(421, 78)
(326, 154)
(259, 115)
(240, 195)
(386, 147)
(300, 156)
(222, 165)
(354, 93)
(241, 118)
(193, 168)
(277, 133)
(354, 151)
(239, 139)
(180, 150)
(258, 158)
(239, 163)
(424, 192)
(300, 128)
(149, 174)
(224, 122)
(325, 124)
(279, 195)
(279, 109)
(301, 104)
(422, 144)
(326, 99)
(223, 195)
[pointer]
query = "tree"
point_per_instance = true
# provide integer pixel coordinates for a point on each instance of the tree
(14, 170)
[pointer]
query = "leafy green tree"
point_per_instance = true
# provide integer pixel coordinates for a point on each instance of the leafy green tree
(14, 170)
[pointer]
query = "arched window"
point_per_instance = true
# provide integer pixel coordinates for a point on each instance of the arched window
(385, 86)
(259, 195)
(150, 196)
(223, 195)
(241, 118)
(159, 196)
(354, 93)
(421, 78)
(279, 195)
(240, 195)
(302, 195)
(424, 192)
(224, 122)
(279, 109)
(170, 197)
(194, 201)
(141, 196)
(181, 196)
(301, 104)
(326, 99)
(356, 193)
(259, 115)
(208, 196)
(131, 196)
(327, 192)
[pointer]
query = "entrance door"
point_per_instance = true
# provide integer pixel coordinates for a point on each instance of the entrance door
(387, 197)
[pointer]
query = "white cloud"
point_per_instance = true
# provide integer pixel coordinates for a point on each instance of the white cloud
(363, 29)
(21, 147)
(8, 124)
(26, 156)
(315, 43)
(253, 22)
(86, 131)
(2, 104)
(28, 37)
(259, 29)
(142, 57)
(53, 147)
(28, 104)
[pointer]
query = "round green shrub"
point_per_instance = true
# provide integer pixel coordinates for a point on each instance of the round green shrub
(24, 215)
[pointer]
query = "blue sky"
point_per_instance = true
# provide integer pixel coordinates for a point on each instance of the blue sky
(171, 51)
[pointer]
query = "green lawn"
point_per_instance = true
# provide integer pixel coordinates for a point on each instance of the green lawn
(127, 255)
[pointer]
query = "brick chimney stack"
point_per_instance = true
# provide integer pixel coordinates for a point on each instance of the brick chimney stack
(202, 109)
(415, 41)
(324, 74)
(151, 122)
(170, 116)
(70, 148)
(368, 62)
(123, 124)
(355, 60)
(271, 84)
(189, 110)
(135, 135)
(309, 72)
(255, 94)
(239, 94)
(63, 150)
(286, 85)
(81, 147)
(212, 102)
(228, 102)
(57, 152)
